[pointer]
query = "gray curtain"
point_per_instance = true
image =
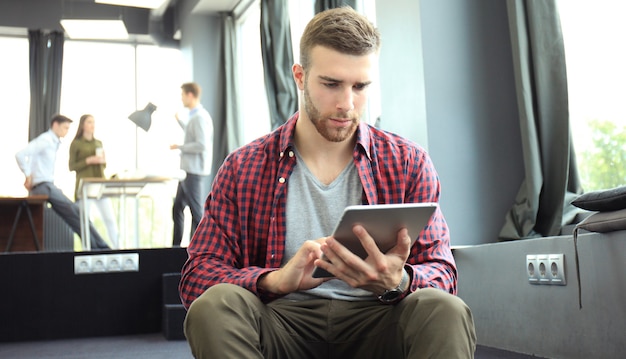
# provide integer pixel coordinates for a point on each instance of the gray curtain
(321, 5)
(542, 205)
(227, 132)
(277, 53)
(46, 65)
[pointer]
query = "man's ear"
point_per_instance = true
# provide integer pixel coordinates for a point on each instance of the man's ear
(298, 76)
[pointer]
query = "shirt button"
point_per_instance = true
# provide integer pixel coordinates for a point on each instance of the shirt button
(282, 154)
(281, 180)
(291, 154)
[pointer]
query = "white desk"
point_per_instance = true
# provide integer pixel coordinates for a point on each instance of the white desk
(96, 188)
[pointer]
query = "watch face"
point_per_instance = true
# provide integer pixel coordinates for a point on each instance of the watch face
(390, 296)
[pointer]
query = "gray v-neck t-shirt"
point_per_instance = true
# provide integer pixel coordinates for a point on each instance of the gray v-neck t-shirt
(313, 210)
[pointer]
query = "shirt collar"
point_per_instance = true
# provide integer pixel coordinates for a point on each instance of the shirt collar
(287, 132)
(364, 138)
(363, 135)
(55, 138)
(195, 109)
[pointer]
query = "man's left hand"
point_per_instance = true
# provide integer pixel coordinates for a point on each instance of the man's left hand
(378, 272)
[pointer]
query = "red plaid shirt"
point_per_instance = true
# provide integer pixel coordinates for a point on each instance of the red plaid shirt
(242, 233)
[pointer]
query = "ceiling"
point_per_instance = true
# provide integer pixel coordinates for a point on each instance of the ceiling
(214, 6)
(16, 16)
(201, 7)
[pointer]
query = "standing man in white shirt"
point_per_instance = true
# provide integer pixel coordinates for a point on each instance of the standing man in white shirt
(37, 162)
(196, 155)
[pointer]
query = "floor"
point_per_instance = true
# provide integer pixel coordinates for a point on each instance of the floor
(152, 346)
(144, 346)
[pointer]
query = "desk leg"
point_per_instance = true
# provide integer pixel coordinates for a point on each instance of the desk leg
(32, 226)
(122, 231)
(12, 235)
(136, 221)
(85, 233)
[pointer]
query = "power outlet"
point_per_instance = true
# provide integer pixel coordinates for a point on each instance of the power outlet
(82, 264)
(130, 262)
(546, 269)
(98, 263)
(531, 269)
(557, 269)
(114, 263)
(106, 263)
(543, 266)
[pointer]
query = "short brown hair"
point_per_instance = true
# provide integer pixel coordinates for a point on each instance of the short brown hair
(193, 88)
(341, 29)
(59, 119)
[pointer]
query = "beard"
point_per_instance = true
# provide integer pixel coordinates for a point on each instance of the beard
(321, 121)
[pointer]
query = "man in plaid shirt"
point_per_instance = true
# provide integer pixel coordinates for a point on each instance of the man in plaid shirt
(248, 282)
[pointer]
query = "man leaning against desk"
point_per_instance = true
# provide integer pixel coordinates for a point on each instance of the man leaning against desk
(37, 162)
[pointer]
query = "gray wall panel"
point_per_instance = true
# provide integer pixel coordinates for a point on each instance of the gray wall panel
(546, 320)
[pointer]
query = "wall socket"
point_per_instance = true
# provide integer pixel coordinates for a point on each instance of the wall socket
(106, 263)
(546, 269)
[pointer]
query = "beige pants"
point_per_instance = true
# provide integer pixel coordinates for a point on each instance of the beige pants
(228, 321)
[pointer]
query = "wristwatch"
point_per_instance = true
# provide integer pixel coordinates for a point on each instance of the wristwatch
(390, 296)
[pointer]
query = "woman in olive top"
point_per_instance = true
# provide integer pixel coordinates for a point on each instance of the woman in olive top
(87, 160)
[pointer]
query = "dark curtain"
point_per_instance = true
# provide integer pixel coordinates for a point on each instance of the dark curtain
(277, 53)
(46, 65)
(226, 135)
(321, 5)
(542, 205)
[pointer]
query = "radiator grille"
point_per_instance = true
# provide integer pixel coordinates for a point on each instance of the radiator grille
(57, 235)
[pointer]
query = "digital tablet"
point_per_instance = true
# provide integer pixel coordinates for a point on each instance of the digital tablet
(382, 222)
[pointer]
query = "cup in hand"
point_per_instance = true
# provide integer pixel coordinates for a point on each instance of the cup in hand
(99, 152)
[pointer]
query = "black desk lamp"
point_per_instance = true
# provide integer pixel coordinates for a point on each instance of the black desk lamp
(143, 118)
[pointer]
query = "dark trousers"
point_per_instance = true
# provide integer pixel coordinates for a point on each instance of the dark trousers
(68, 211)
(228, 321)
(191, 192)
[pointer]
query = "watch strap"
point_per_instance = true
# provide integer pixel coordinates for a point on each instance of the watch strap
(394, 295)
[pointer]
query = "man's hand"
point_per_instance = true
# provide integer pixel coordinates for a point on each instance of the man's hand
(173, 147)
(297, 273)
(378, 272)
(28, 183)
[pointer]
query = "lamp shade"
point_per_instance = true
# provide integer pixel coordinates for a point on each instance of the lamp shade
(143, 118)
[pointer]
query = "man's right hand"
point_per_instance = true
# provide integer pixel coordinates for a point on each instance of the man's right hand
(297, 273)
(28, 183)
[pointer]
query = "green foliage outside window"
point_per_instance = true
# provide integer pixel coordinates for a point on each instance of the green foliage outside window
(603, 166)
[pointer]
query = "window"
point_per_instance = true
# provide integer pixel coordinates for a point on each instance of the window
(99, 79)
(110, 81)
(253, 97)
(300, 12)
(15, 94)
(160, 73)
(594, 33)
